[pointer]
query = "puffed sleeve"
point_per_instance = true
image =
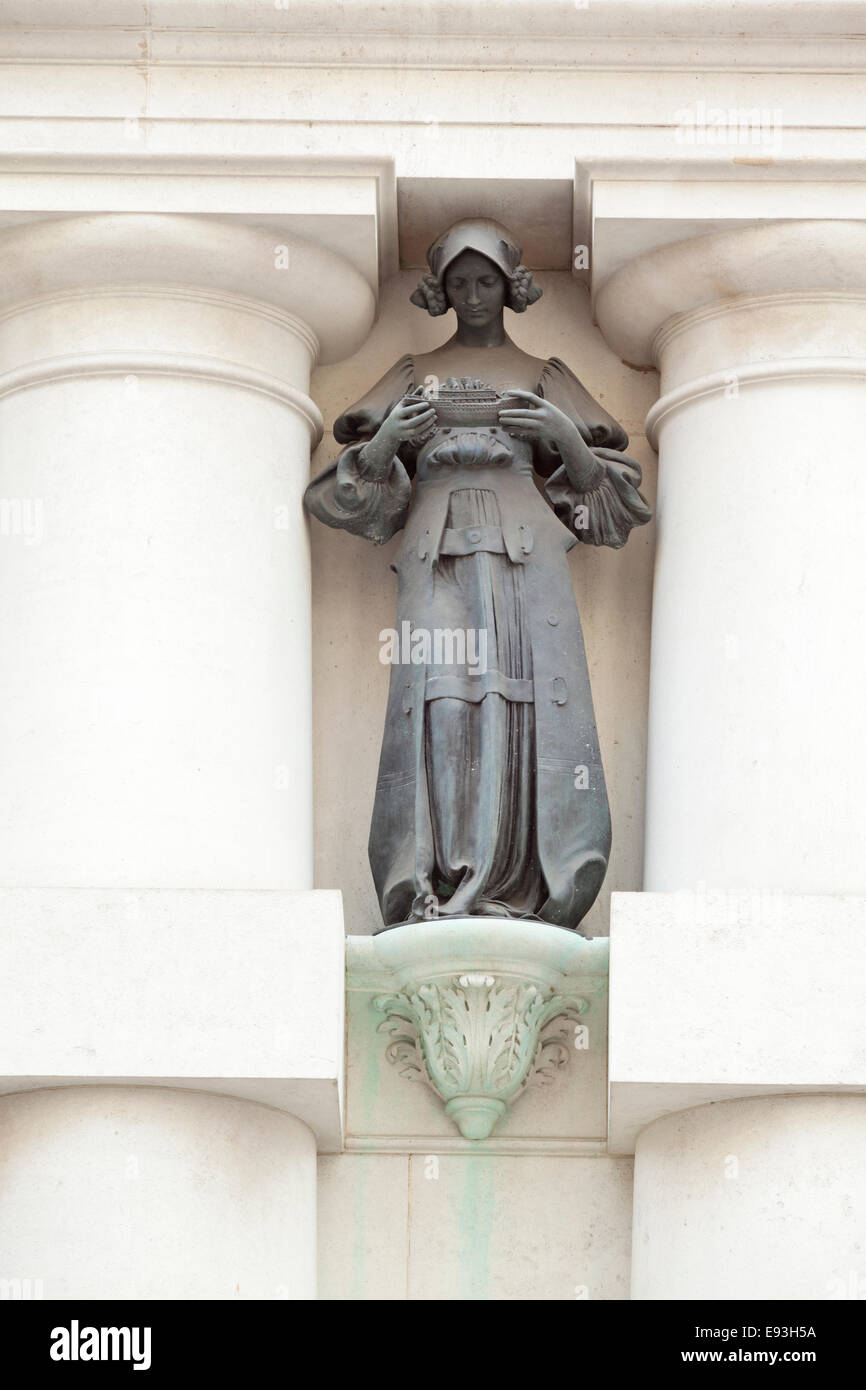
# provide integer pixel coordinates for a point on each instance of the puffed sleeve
(606, 512)
(610, 506)
(343, 495)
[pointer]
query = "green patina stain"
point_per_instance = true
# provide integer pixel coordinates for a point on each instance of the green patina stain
(359, 1242)
(368, 1091)
(476, 1225)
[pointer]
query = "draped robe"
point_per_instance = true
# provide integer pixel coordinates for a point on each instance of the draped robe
(491, 798)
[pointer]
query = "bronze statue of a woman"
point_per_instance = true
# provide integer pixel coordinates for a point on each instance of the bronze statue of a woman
(491, 798)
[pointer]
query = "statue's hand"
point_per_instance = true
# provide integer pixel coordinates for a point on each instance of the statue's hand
(409, 420)
(532, 417)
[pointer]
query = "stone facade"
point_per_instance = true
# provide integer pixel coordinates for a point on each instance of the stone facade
(211, 218)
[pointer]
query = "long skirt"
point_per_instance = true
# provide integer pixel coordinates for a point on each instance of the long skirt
(479, 747)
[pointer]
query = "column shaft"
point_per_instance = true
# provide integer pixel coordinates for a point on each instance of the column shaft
(154, 573)
(756, 749)
(141, 1193)
(759, 1198)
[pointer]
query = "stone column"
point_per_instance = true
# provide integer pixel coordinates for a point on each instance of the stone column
(756, 769)
(757, 742)
(155, 734)
(155, 592)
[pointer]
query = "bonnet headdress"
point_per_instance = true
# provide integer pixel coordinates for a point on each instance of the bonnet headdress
(489, 239)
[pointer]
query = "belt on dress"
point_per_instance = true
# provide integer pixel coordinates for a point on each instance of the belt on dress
(468, 540)
(474, 688)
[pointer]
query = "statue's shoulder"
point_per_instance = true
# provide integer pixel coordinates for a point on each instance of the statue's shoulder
(401, 372)
(559, 384)
(554, 370)
(535, 366)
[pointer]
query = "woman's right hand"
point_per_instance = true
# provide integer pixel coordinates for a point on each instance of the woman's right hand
(408, 421)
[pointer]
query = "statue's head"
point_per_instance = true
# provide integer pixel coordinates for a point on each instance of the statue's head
(475, 269)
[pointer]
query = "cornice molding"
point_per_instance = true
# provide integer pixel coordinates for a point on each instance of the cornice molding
(753, 35)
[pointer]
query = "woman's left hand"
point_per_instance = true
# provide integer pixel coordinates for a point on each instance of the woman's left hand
(532, 417)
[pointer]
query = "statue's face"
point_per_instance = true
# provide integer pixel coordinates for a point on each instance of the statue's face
(475, 289)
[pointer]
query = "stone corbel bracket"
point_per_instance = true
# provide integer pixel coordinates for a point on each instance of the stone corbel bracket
(482, 1009)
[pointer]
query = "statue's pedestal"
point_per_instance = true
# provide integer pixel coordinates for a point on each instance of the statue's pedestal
(738, 1080)
(479, 1008)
